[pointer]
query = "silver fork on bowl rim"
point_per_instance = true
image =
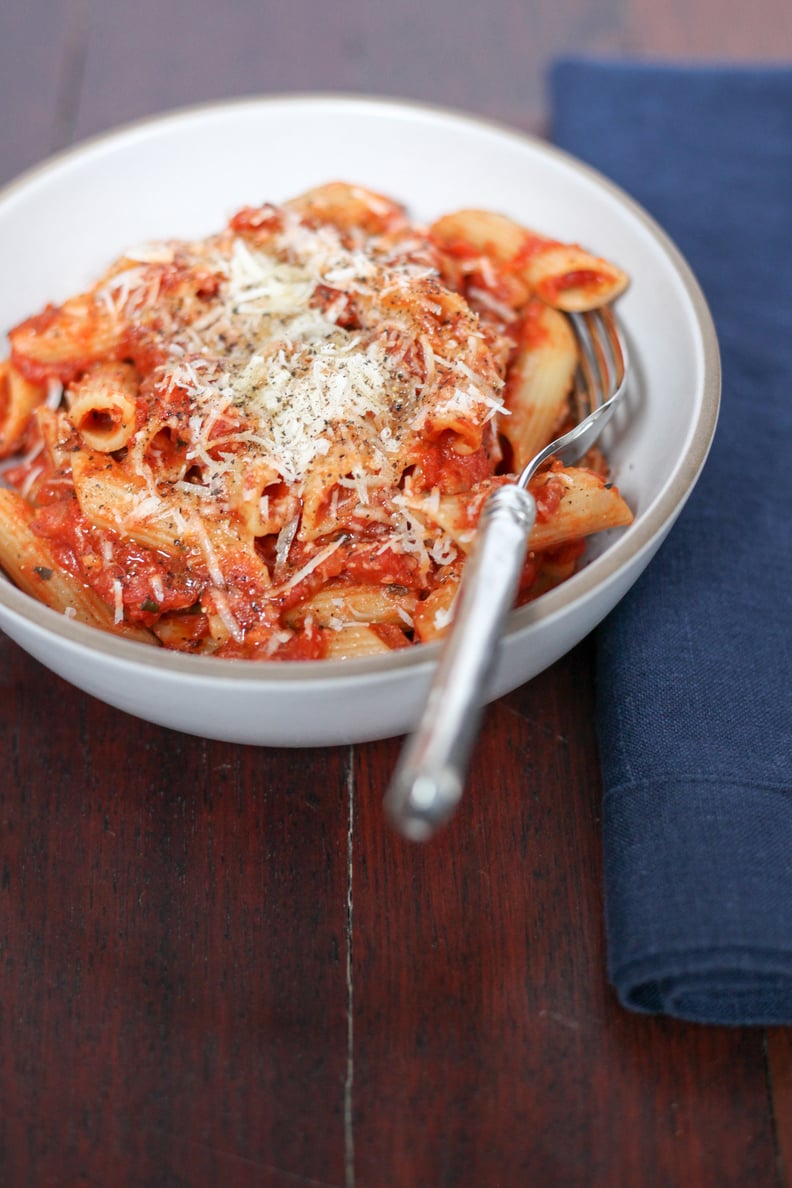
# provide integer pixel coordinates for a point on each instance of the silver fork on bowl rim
(428, 782)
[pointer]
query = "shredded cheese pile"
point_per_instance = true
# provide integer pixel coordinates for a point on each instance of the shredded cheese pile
(269, 366)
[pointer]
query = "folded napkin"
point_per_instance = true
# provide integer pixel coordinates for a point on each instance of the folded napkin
(694, 666)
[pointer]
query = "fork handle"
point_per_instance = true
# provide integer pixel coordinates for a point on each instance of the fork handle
(429, 778)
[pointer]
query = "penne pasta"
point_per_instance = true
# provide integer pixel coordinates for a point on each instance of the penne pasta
(61, 342)
(114, 498)
(586, 505)
(340, 604)
(19, 397)
(103, 405)
(486, 232)
(565, 276)
(572, 503)
(539, 383)
(351, 208)
(274, 443)
(572, 279)
(434, 614)
(31, 565)
(185, 633)
(350, 643)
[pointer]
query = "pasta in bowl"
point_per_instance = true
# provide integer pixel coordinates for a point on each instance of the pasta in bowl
(274, 443)
(271, 442)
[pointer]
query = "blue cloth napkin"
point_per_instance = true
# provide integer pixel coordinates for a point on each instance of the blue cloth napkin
(695, 665)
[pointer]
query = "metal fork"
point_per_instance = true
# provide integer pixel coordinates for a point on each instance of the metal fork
(429, 778)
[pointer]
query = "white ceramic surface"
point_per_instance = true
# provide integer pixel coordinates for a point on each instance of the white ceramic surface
(183, 175)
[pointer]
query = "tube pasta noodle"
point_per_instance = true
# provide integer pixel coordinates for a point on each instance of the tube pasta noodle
(539, 380)
(103, 405)
(18, 399)
(566, 276)
(275, 442)
(348, 642)
(26, 559)
(341, 604)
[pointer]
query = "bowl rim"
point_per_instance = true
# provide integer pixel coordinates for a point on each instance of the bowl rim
(647, 529)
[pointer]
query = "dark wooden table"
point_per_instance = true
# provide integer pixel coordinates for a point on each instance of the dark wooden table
(217, 965)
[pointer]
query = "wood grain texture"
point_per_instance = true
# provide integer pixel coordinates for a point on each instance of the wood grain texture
(172, 949)
(217, 965)
(499, 1032)
(779, 1059)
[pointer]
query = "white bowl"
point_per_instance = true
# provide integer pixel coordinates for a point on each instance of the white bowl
(182, 175)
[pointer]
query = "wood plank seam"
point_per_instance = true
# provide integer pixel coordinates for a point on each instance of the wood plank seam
(349, 1135)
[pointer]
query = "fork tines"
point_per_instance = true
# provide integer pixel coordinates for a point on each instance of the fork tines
(602, 362)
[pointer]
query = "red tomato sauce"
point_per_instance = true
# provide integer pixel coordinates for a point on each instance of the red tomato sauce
(548, 496)
(532, 245)
(153, 582)
(441, 466)
(580, 278)
(361, 562)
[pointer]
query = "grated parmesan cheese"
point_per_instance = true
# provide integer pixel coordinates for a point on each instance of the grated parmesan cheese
(315, 358)
(118, 601)
(269, 356)
(311, 565)
(306, 407)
